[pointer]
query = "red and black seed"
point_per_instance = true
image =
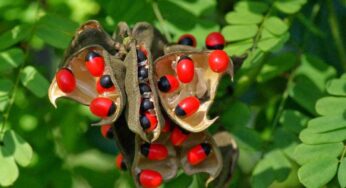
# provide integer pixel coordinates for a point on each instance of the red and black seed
(143, 72)
(146, 105)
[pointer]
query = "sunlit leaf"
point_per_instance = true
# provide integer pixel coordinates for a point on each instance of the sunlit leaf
(337, 87)
(289, 7)
(239, 48)
(331, 105)
(8, 170)
(327, 123)
(275, 25)
(239, 32)
(34, 81)
(310, 137)
(342, 173)
(269, 42)
(243, 18)
(319, 172)
(305, 153)
(251, 6)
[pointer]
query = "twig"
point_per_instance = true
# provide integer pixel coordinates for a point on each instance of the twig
(159, 17)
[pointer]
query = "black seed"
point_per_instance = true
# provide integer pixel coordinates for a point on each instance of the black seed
(109, 133)
(184, 57)
(142, 72)
(215, 47)
(106, 81)
(206, 147)
(186, 41)
(112, 109)
(123, 165)
(145, 149)
(91, 55)
(146, 105)
(163, 84)
(141, 56)
(145, 123)
(143, 88)
(179, 111)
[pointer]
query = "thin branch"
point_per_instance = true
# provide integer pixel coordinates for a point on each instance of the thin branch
(159, 17)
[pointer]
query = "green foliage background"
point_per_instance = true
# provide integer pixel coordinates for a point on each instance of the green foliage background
(285, 108)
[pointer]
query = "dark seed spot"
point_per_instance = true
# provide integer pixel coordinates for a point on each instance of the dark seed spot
(186, 41)
(206, 147)
(179, 111)
(111, 109)
(145, 149)
(145, 123)
(143, 88)
(142, 72)
(91, 55)
(163, 84)
(146, 105)
(141, 56)
(106, 81)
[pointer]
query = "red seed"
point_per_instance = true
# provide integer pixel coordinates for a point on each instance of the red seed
(187, 106)
(187, 39)
(150, 178)
(120, 163)
(168, 83)
(95, 63)
(215, 41)
(104, 84)
(185, 69)
(106, 131)
(167, 127)
(218, 61)
(65, 80)
(198, 154)
(148, 121)
(102, 107)
(154, 151)
(178, 136)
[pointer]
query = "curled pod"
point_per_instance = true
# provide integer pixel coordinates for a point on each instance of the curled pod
(188, 105)
(159, 156)
(92, 43)
(143, 113)
(200, 154)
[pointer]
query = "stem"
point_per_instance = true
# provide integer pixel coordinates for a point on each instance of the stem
(343, 154)
(159, 17)
(335, 29)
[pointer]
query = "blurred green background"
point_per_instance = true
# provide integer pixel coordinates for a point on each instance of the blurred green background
(295, 53)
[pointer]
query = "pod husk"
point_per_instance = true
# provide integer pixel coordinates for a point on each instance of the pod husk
(91, 35)
(168, 167)
(211, 165)
(203, 86)
(229, 151)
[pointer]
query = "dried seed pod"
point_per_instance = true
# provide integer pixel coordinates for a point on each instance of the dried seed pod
(202, 87)
(90, 37)
(211, 163)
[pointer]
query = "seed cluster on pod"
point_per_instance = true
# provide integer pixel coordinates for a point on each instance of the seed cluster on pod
(147, 119)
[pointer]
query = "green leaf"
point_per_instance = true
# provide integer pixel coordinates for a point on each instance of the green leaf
(11, 59)
(34, 81)
(331, 105)
(239, 32)
(4, 101)
(251, 6)
(310, 137)
(181, 180)
(276, 66)
(274, 166)
(239, 48)
(17, 147)
(5, 86)
(342, 173)
(243, 18)
(305, 153)
(293, 120)
(237, 115)
(318, 173)
(327, 123)
(269, 42)
(14, 36)
(275, 25)
(337, 87)
(247, 138)
(289, 6)
(8, 170)
(55, 30)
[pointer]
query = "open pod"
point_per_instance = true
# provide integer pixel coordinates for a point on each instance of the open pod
(149, 157)
(90, 71)
(187, 86)
(211, 164)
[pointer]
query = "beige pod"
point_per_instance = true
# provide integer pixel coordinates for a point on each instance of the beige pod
(212, 164)
(203, 87)
(132, 88)
(167, 167)
(74, 60)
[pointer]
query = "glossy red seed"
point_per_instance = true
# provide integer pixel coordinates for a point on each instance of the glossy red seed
(187, 106)
(215, 40)
(106, 131)
(178, 136)
(95, 64)
(150, 178)
(168, 83)
(65, 80)
(187, 39)
(154, 151)
(198, 154)
(101, 89)
(185, 69)
(102, 107)
(148, 121)
(119, 162)
(218, 61)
